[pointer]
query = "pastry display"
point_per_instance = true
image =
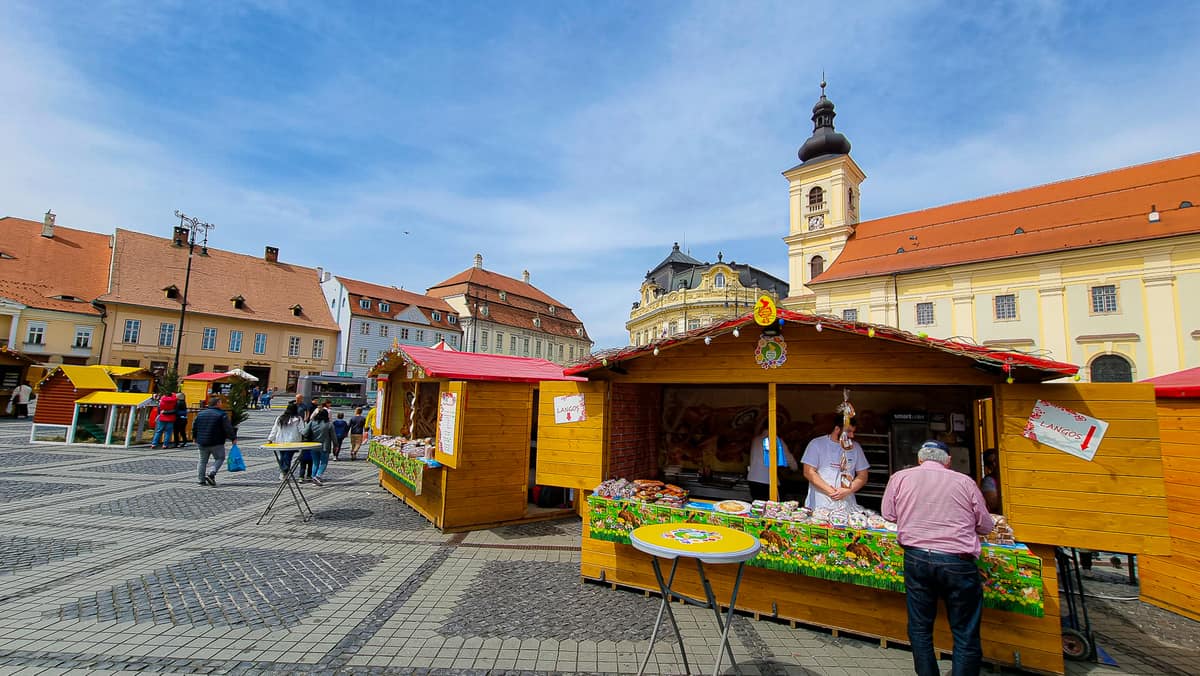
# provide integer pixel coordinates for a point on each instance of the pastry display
(732, 507)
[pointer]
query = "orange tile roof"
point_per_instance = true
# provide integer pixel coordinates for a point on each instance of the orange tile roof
(523, 302)
(399, 300)
(145, 265)
(35, 270)
(1096, 210)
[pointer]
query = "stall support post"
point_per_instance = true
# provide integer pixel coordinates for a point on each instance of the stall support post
(129, 426)
(109, 424)
(74, 422)
(772, 443)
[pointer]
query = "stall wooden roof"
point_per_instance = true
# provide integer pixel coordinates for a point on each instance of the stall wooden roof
(116, 398)
(1178, 385)
(84, 377)
(470, 365)
(210, 376)
(1020, 365)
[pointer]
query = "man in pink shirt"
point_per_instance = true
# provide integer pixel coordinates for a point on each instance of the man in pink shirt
(940, 514)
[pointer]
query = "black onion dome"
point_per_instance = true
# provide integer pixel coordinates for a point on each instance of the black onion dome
(824, 140)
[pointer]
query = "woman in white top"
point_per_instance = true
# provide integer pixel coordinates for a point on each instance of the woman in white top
(287, 428)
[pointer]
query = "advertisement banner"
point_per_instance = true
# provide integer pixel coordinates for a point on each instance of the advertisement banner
(569, 408)
(1064, 429)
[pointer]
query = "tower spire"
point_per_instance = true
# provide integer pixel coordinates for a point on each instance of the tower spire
(824, 140)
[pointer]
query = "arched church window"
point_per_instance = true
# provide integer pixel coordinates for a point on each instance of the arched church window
(1111, 368)
(816, 266)
(816, 197)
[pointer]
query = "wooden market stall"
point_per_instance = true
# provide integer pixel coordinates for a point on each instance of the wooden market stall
(1173, 582)
(686, 408)
(66, 384)
(122, 418)
(14, 370)
(477, 411)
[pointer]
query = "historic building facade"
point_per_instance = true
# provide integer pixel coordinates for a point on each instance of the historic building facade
(502, 315)
(48, 277)
(258, 314)
(682, 293)
(1095, 270)
(375, 318)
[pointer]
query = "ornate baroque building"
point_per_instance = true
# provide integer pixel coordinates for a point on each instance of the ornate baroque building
(1094, 270)
(682, 293)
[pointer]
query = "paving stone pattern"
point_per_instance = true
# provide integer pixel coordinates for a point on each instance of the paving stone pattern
(177, 503)
(381, 511)
(521, 599)
(28, 458)
(530, 530)
(155, 466)
(11, 491)
(227, 587)
(20, 553)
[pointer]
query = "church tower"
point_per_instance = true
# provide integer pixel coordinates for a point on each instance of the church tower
(823, 204)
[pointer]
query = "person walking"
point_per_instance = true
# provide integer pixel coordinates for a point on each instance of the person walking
(254, 392)
(266, 397)
(319, 429)
(21, 396)
(940, 514)
(288, 428)
(305, 409)
(181, 414)
(211, 430)
(340, 429)
(357, 424)
(165, 425)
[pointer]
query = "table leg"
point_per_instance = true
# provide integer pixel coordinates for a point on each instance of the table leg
(665, 588)
(712, 603)
(289, 481)
(737, 582)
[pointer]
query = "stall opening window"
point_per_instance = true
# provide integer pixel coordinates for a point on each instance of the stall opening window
(719, 280)
(318, 351)
(385, 307)
(384, 330)
(362, 355)
(83, 337)
(364, 303)
(293, 346)
(35, 333)
(133, 327)
(483, 344)
(850, 315)
(816, 266)
(924, 314)
(208, 339)
(235, 341)
(1104, 299)
(1006, 306)
(260, 343)
(1111, 368)
(364, 329)
(403, 334)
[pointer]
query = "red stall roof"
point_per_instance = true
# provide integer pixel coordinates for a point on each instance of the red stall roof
(471, 365)
(207, 375)
(1019, 364)
(1178, 385)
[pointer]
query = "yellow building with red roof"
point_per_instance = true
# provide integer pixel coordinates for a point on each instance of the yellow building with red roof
(1094, 270)
(503, 315)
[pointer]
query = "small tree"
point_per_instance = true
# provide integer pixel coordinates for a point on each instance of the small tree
(238, 401)
(168, 383)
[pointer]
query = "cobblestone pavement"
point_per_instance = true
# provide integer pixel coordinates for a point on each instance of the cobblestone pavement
(114, 561)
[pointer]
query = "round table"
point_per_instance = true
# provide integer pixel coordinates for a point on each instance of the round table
(705, 544)
(289, 479)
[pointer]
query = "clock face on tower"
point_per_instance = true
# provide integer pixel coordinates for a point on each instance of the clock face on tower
(816, 222)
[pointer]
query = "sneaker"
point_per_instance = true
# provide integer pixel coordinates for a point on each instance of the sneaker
(282, 476)
(211, 479)
(317, 480)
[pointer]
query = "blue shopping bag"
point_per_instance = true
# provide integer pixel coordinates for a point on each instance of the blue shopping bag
(235, 462)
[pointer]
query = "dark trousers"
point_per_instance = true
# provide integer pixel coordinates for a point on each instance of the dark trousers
(929, 576)
(181, 428)
(306, 463)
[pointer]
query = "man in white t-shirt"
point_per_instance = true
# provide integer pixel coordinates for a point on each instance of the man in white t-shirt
(834, 474)
(21, 397)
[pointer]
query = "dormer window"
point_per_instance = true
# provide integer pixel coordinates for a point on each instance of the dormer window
(537, 321)
(553, 309)
(68, 298)
(297, 310)
(579, 331)
(364, 303)
(172, 292)
(385, 307)
(437, 316)
(238, 302)
(452, 319)
(483, 310)
(503, 295)
(719, 280)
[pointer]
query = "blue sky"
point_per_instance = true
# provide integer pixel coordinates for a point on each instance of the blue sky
(576, 140)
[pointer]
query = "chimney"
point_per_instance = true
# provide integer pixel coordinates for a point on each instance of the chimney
(48, 225)
(525, 276)
(328, 276)
(272, 254)
(478, 261)
(181, 236)
(320, 274)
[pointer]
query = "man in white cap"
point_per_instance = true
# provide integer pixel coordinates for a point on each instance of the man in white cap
(940, 514)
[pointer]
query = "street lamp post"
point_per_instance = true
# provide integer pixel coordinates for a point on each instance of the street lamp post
(195, 227)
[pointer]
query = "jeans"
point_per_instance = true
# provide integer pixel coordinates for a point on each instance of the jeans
(162, 433)
(929, 576)
(218, 455)
(320, 461)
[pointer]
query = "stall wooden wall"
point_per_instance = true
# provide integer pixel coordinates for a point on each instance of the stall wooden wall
(861, 611)
(431, 500)
(56, 400)
(1115, 502)
(574, 455)
(490, 484)
(1173, 582)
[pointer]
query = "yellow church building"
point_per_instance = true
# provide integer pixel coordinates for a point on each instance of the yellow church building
(1095, 270)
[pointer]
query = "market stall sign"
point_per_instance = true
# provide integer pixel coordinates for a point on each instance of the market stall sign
(771, 352)
(1012, 575)
(569, 408)
(1064, 429)
(406, 470)
(765, 312)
